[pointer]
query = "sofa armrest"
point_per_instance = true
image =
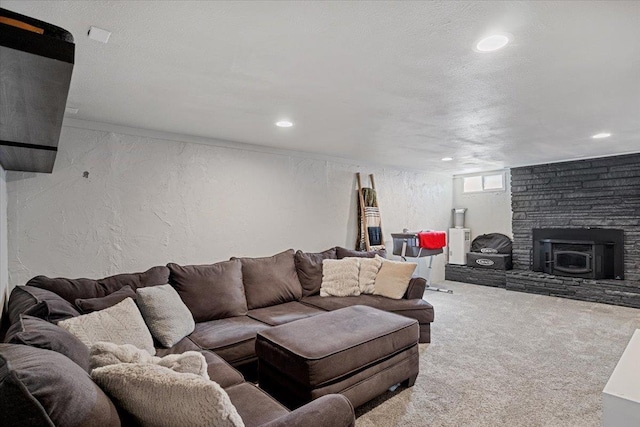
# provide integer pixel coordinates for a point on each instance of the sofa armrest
(332, 410)
(416, 288)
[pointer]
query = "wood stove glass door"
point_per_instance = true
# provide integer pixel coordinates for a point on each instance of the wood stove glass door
(574, 262)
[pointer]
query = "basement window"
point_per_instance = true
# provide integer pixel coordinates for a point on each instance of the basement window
(486, 182)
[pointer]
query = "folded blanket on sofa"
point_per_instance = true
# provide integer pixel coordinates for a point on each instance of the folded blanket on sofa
(106, 353)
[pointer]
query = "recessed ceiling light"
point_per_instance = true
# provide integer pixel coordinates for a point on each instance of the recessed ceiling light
(447, 159)
(99, 35)
(493, 42)
(601, 135)
(284, 124)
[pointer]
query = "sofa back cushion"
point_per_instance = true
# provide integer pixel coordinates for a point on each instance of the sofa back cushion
(350, 253)
(44, 388)
(212, 291)
(89, 305)
(39, 333)
(39, 303)
(72, 289)
(270, 280)
(309, 268)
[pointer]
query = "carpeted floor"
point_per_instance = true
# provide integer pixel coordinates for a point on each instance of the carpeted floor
(504, 358)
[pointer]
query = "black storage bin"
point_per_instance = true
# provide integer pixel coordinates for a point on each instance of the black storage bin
(490, 261)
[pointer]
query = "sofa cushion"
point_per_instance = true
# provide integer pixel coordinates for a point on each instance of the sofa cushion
(218, 369)
(39, 303)
(393, 278)
(120, 324)
(340, 277)
(256, 407)
(309, 268)
(88, 305)
(166, 316)
(283, 313)
(177, 399)
(212, 291)
(347, 253)
(39, 333)
(41, 387)
(417, 309)
(72, 289)
(270, 280)
(232, 338)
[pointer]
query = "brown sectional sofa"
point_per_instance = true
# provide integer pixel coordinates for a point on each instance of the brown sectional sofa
(231, 302)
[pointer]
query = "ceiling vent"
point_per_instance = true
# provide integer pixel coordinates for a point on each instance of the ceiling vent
(36, 62)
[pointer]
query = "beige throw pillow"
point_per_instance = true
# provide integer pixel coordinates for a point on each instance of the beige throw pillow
(157, 396)
(340, 277)
(119, 324)
(393, 278)
(369, 268)
(167, 317)
(106, 353)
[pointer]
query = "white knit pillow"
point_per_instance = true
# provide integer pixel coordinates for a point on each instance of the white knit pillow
(106, 353)
(369, 268)
(158, 396)
(167, 317)
(120, 324)
(393, 278)
(340, 277)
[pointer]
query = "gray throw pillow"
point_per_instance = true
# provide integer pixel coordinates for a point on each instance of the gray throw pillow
(44, 388)
(39, 333)
(167, 317)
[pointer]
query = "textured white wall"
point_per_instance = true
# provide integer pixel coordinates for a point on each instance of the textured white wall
(4, 269)
(488, 212)
(151, 201)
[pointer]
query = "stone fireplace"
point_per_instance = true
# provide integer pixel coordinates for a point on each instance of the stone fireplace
(576, 229)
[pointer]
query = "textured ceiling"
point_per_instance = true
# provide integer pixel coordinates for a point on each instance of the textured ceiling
(391, 83)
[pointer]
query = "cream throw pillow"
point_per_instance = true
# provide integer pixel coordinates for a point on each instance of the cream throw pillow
(158, 396)
(120, 324)
(167, 317)
(369, 268)
(106, 353)
(340, 277)
(393, 278)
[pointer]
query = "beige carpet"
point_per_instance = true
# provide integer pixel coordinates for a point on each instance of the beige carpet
(504, 358)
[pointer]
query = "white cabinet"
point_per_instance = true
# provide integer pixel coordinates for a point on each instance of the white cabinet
(459, 245)
(621, 395)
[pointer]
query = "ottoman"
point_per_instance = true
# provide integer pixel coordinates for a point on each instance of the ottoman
(357, 351)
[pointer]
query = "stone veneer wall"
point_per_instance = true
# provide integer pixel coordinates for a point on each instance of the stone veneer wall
(477, 276)
(602, 192)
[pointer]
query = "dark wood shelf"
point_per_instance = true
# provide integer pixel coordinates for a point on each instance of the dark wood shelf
(36, 63)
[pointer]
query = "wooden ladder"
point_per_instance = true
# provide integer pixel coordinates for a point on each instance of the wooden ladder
(363, 224)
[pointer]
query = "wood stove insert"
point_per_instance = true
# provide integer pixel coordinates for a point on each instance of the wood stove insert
(592, 253)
